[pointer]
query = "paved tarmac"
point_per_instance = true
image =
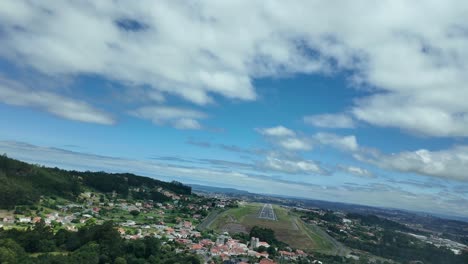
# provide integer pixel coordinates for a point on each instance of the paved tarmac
(267, 212)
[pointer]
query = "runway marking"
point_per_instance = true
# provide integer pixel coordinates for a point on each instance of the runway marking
(267, 212)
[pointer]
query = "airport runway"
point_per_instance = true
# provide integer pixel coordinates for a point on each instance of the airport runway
(267, 212)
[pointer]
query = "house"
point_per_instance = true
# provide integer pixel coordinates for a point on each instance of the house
(195, 234)
(129, 223)
(267, 261)
(24, 220)
(206, 242)
(301, 253)
(133, 208)
(254, 241)
(265, 244)
(72, 228)
(197, 247)
(187, 224)
(121, 231)
(287, 254)
(7, 220)
(214, 252)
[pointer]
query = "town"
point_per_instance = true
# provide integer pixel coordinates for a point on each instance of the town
(174, 220)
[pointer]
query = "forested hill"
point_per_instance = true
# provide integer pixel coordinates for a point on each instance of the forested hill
(23, 184)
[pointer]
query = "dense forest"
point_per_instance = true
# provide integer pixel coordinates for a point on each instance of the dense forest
(93, 244)
(23, 184)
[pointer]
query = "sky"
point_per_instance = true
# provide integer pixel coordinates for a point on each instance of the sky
(349, 101)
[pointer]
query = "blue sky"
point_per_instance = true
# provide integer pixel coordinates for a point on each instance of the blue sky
(298, 99)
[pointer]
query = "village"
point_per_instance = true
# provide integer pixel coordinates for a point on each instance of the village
(174, 220)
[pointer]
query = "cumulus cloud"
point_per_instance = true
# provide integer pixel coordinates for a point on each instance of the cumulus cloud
(346, 143)
(291, 164)
(285, 138)
(173, 47)
(330, 121)
(449, 163)
(414, 66)
(278, 131)
(295, 144)
(180, 118)
(288, 139)
(418, 114)
(14, 93)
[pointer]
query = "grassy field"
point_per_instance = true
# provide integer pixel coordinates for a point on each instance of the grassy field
(288, 228)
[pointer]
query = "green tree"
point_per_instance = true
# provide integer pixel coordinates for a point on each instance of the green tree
(10, 252)
(271, 251)
(120, 260)
(135, 213)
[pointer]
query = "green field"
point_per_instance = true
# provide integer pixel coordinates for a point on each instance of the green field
(288, 228)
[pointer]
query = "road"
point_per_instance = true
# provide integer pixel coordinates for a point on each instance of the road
(208, 220)
(267, 212)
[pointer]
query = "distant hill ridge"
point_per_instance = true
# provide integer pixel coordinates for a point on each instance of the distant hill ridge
(22, 183)
(211, 189)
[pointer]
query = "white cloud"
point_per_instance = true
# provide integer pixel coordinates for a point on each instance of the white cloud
(278, 131)
(285, 138)
(280, 163)
(357, 171)
(14, 93)
(415, 65)
(180, 118)
(187, 123)
(294, 144)
(346, 143)
(450, 163)
(177, 51)
(289, 140)
(330, 121)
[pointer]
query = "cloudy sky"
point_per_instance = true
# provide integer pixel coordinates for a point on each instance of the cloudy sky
(351, 101)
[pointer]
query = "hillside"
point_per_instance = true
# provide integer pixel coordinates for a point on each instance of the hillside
(288, 228)
(23, 184)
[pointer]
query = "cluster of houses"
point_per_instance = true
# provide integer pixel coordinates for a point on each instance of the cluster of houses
(48, 219)
(183, 231)
(71, 215)
(224, 246)
(233, 251)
